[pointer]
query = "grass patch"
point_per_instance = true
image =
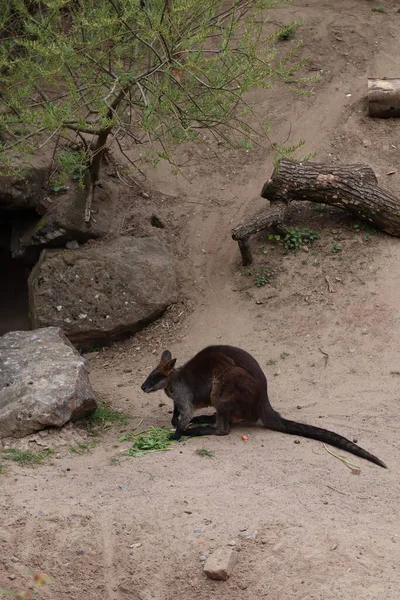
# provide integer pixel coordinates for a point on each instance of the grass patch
(103, 418)
(26, 457)
(288, 31)
(82, 447)
(154, 439)
(204, 452)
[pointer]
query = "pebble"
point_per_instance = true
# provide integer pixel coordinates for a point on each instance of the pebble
(72, 245)
(220, 564)
(250, 535)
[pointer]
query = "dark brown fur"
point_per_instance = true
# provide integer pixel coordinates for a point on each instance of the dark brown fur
(232, 381)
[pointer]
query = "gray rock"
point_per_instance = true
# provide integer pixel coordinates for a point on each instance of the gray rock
(22, 191)
(220, 564)
(102, 293)
(43, 382)
(64, 222)
(72, 245)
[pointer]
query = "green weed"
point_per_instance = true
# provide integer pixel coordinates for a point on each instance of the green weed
(205, 452)
(263, 277)
(336, 248)
(103, 418)
(154, 439)
(26, 457)
(296, 237)
(82, 447)
(288, 31)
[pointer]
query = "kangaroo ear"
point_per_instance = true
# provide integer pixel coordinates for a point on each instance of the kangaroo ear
(171, 364)
(166, 356)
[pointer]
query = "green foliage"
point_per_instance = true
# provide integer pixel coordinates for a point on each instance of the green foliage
(379, 9)
(263, 277)
(70, 164)
(336, 248)
(104, 417)
(154, 439)
(25, 457)
(296, 237)
(282, 151)
(204, 452)
(82, 447)
(288, 31)
(84, 75)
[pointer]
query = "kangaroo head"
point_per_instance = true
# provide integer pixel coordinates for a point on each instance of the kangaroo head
(158, 378)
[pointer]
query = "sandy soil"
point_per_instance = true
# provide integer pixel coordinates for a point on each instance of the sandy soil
(107, 526)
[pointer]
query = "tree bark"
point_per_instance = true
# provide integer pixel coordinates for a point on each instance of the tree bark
(384, 97)
(350, 187)
(353, 188)
(241, 234)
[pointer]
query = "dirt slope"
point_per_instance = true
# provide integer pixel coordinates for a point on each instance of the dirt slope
(322, 532)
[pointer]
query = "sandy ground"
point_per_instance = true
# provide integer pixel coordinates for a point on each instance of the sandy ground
(107, 526)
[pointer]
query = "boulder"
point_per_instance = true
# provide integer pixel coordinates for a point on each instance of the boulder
(102, 293)
(23, 190)
(64, 222)
(43, 382)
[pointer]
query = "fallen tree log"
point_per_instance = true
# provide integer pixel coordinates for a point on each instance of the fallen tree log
(353, 188)
(241, 234)
(384, 97)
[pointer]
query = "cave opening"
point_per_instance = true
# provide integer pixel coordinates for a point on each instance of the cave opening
(14, 274)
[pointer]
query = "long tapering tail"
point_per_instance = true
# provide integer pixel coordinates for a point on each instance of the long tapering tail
(278, 423)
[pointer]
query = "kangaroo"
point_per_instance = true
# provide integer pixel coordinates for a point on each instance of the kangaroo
(232, 381)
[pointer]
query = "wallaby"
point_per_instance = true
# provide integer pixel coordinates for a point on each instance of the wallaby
(232, 381)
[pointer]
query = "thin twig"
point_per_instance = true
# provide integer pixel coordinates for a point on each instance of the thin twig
(329, 282)
(355, 469)
(326, 356)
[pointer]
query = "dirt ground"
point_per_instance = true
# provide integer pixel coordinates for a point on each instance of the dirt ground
(107, 526)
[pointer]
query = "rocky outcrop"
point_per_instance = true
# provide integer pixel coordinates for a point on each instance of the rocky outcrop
(23, 190)
(43, 382)
(102, 293)
(64, 221)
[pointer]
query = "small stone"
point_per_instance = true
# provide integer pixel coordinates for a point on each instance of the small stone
(297, 441)
(72, 245)
(250, 535)
(220, 564)
(43, 205)
(12, 576)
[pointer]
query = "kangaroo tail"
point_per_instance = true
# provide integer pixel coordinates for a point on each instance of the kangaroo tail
(278, 423)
